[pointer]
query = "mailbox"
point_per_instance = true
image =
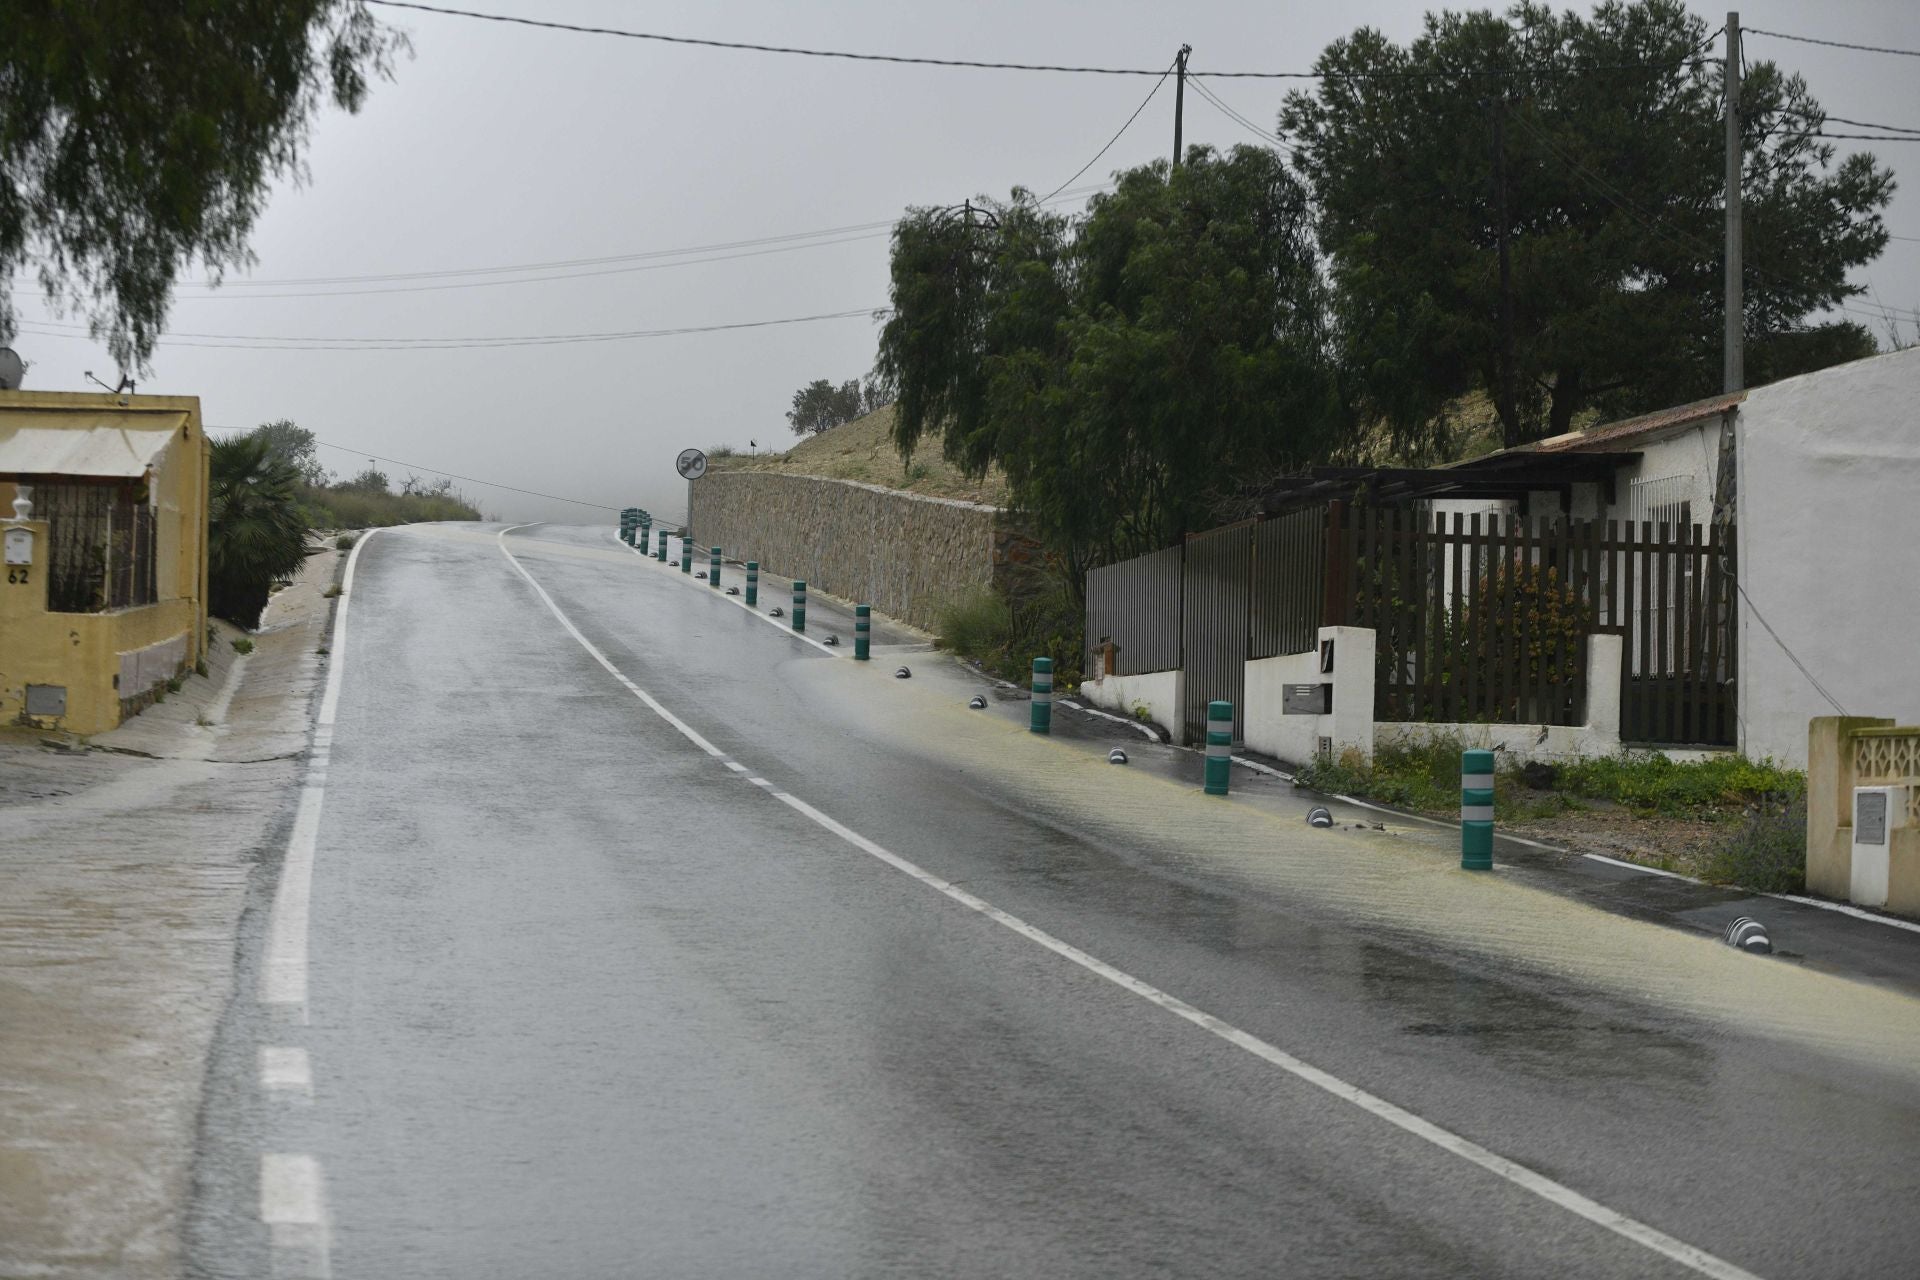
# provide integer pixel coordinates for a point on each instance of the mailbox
(1306, 699)
(19, 546)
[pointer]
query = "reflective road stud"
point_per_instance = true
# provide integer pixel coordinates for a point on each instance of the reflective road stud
(686, 554)
(713, 567)
(1476, 810)
(862, 628)
(1219, 747)
(753, 583)
(799, 604)
(1040, 719)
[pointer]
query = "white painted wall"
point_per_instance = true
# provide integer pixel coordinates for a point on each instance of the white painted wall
(1829, 503)
(1160, 692)
(1295, 739)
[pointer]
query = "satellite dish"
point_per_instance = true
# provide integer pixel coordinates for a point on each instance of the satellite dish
(12, 369)
(691, 464)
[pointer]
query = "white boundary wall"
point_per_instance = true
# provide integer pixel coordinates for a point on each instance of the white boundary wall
(1829, 502)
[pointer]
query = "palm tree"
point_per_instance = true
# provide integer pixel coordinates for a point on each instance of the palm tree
(255, 532)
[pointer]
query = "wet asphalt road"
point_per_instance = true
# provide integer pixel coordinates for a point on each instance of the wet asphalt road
(585, 1001)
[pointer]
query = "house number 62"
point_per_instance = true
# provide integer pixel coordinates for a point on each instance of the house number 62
(16, 575)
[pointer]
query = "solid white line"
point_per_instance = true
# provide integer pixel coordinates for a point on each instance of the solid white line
(1847, 909)
(776, 623)
(1108, 715)
(1635, 866)
(1519, 1175)
(288, 1069)
(283, 972)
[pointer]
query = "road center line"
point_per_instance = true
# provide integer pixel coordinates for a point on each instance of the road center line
(1519, 1175)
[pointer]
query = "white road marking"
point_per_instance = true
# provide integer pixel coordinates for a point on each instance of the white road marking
(1519, 1175)
(286, 1070)
(759, 782)
(736, 766)
(1108, 715)
(283, 973)
(293, 1205)
(1635, 866)
(1847, 909)
(784, 628)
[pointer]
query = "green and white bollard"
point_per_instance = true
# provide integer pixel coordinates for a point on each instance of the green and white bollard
(753, 583)
(645, 539)
(1219, 747)
(686, 554)
(1476, 810)
(799, 604)
(862, 630)
(1040, 715)
(661, 555)
(713, 567)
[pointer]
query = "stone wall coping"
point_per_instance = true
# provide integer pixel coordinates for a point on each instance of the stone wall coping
(961, 503)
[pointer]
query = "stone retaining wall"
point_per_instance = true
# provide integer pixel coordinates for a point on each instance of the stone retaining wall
(906, 555)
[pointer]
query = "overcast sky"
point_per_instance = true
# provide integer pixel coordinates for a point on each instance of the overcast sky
(498, 145)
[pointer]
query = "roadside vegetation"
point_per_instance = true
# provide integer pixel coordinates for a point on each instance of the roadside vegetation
(1003, 639)
(1726, 819)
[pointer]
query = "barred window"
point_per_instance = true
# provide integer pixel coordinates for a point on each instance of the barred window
(100, 546)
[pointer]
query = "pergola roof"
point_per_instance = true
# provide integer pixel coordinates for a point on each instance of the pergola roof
(1509, 474)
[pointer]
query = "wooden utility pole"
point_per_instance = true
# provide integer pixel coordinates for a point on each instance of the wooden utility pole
(1735, 364)
(1505, 397)
(1179, 98)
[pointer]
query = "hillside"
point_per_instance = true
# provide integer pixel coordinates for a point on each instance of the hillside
(862, 450)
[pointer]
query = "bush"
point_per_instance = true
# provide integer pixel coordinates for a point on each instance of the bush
(242, 645)
(979, 626)
(331, 591)
(1767, 852)
(1653, 784)
(255, 533)
(344, 542)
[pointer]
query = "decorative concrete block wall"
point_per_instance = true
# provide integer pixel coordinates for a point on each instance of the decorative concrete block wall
(906, 555)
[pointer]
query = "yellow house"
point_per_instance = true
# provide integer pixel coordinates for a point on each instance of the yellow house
(103, 515)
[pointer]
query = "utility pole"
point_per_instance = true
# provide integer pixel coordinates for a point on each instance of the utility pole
(1179, 97)
(1735, 375)
(1505, 398)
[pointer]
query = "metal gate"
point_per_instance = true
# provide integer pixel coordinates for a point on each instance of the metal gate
(1219, 572)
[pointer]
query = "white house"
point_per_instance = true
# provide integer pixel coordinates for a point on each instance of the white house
(1825, 498)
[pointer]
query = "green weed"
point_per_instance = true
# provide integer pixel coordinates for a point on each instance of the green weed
(242, 645)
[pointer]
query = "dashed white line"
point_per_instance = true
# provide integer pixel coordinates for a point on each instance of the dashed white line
(1519, 1175)
(286, 1070)
(293, 1205)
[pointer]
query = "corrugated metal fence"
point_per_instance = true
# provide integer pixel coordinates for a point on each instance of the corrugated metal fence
(1213, 630)
(1136, 604)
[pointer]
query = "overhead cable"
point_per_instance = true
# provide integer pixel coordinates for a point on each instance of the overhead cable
(1116, 137)
(249, 342)
(454, 475)
(1831, 44)
(751, 47)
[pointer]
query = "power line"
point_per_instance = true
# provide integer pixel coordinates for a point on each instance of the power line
(1220, 105)
(1833, 44)
(746, 46)
(1869, 137)
(1827, 119)
(414, 466)
(1116, 137)
(252, 342)
(792, 241)
(766, 48)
